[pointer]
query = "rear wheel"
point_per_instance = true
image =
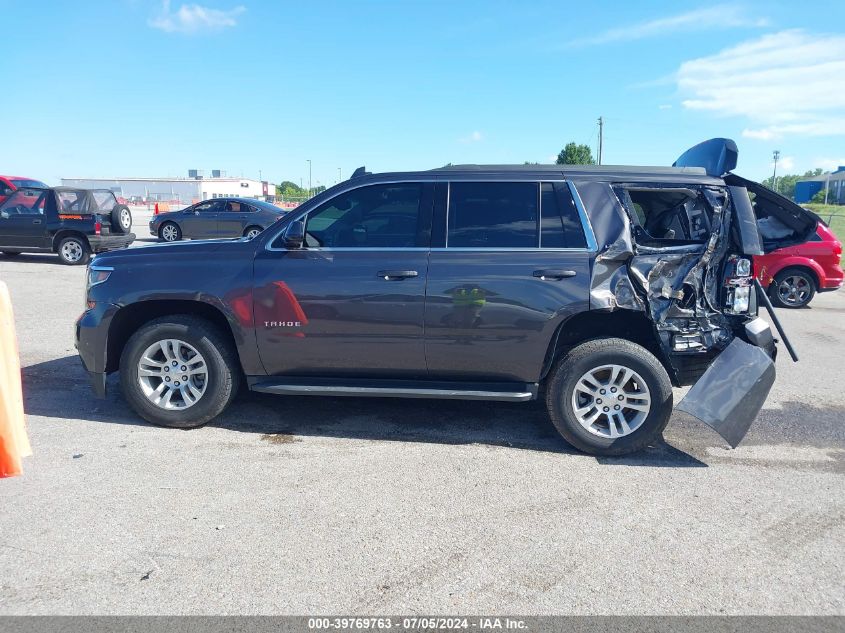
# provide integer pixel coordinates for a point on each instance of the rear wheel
(170, 232)
(792, 288)
(252, 231)
(74, 251)
(179, 371)
(609, 397)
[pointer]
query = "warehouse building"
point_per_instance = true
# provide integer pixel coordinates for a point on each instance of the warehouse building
(180, 191)
(834, 182)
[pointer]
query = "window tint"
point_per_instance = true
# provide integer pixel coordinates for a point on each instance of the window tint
(380, 216)
(560, 224)
(493, 215)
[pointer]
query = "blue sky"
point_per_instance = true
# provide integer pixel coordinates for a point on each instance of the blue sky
(143, 88)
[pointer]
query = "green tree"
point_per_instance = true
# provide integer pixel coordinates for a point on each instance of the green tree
(818, 198)
(786, 183)
(575, 154)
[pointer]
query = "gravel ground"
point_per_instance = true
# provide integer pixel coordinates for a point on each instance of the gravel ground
(322, 505)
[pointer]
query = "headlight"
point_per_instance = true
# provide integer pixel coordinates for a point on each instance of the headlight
(98, 274)
(743, 267)
(741, 297)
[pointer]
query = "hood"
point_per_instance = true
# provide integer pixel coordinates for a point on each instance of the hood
(169, 253)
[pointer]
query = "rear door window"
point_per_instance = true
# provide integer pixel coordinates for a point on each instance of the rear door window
(560, 224)
(493, 215)
(667, 214)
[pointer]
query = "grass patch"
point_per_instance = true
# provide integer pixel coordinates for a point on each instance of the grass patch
(833, 214)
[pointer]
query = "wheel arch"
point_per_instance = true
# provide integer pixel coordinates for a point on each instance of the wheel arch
(801, 263)
(128, 319)
(625, 324)
(63, 233)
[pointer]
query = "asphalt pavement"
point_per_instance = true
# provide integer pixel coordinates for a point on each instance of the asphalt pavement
(294, 505)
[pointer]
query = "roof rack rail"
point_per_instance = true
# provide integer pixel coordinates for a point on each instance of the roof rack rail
(361, 171)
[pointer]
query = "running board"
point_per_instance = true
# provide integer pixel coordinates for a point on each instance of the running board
(503, 392)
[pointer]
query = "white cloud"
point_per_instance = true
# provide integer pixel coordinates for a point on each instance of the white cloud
(194, 18)
(785, 164)
(475, 137)
(720, 16)
(829, 164)
(664, 106)
(784, 83)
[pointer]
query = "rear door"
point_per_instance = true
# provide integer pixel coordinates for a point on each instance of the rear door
(200, 220)
(233, 218)
(351, 301)
(512, 263)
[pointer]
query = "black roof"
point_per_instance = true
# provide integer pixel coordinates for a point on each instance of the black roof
(612, 173)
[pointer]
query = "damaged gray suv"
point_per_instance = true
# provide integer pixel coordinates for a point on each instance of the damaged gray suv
(594, 289)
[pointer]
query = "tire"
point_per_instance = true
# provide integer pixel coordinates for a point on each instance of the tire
(564, 390)
(169, 232)
(121, 219)
(11, 253)
(792, 288)
(74, 251)
(252, 231)
(219, 386)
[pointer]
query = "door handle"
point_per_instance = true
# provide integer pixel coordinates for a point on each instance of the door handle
(394, 275)
(554, 274)
(36, 221)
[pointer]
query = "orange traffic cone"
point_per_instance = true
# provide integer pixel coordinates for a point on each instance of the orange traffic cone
(13, 441)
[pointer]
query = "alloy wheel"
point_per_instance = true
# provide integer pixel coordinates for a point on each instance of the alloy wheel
(611, 401)
(252, 233)
(795, 290)
(169, 233)
(172, 374)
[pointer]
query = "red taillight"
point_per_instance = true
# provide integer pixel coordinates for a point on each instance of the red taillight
(97, 228)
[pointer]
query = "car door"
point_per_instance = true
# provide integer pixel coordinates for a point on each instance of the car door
(513, 265)
(351, 301)
(22, 222)
(200, 220)
(233, 218)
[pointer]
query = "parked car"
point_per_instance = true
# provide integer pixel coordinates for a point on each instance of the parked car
(595, 289)
(794, 271)
(10, 184)
(220, 217)
(73, 223)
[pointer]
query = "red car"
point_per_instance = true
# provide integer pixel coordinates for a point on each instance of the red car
(10, 184)
(801, 254)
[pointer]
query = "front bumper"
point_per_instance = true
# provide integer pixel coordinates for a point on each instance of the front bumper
(734, 388)
(91, 341)
(101, 243)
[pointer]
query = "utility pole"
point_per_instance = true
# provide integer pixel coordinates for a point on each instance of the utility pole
(338, 175)
(601, 137)
(309, 177)
(259, 174)
(827, 188)
(775, 155)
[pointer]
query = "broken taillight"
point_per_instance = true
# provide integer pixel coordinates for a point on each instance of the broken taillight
(737, 285)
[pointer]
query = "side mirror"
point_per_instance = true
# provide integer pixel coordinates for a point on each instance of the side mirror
(295, 235)
(4, 215)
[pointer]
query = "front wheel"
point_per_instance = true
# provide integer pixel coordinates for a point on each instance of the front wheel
(74, 251)
(170, 232)
(179, 371)
(609, 397)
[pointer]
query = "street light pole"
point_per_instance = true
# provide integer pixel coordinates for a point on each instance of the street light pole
(309, 177)
(776, 155)
(338, 175)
